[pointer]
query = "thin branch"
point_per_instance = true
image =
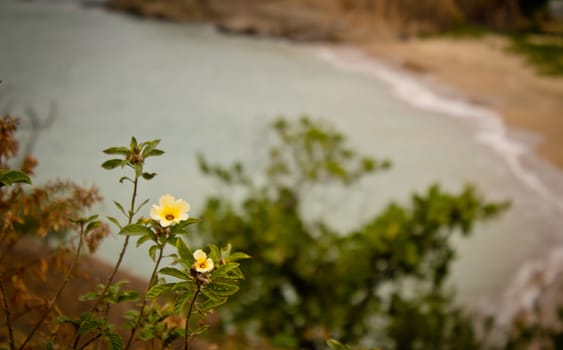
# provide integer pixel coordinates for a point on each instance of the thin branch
(76, 336)
(8, 316)
(90, 341)
(123, 248)
(65, 282)
(141, 312)
(188, 316)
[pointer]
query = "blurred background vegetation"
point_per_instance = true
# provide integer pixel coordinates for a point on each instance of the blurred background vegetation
(382, 283)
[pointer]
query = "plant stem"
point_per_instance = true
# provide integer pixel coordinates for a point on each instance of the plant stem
(189, 315)
(65, 282)
(90, 341)
(151, 282)
(8, 317)
(131, 212)
(123, 248)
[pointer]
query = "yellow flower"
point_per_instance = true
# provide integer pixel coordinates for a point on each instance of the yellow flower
(170, 211)
(202, 263)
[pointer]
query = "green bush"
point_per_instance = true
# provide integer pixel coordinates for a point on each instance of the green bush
(381, 283)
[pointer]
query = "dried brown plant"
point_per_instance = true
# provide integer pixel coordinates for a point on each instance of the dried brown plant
(37, 221)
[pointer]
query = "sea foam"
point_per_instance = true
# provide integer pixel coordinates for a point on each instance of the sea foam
(491, 130)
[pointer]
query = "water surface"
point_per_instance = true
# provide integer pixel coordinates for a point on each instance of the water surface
(113, 76)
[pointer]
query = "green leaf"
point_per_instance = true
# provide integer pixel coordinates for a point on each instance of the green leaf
(113, 163)
(117, 150)
(180, 228)
(115, 342)
(154, 153)
(149, 147)
(148, 176)
(183, 287)
(143, 239)
(87, 326)
(92, 225)
(210, 304)
(159, 289)
(209, 293)
(123, 178)
(214, 252)
(184, 251)
(10, 177)
(89, 296)
(181, 301)
(120, 207)
(152, 251)
(170, 271)
(129, 296)
(135, 229)
(238, 256)
(223, 270)
(172, 241)
(65, 319)
(91, 218)
(236, 273)
(223, 288)
(114, 221)
(200, 330)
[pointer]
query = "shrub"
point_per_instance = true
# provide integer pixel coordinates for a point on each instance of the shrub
(382, 282)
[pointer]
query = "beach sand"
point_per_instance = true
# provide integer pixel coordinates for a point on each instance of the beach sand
(485, 72)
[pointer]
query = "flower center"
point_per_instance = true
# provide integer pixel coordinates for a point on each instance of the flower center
(169, 217)
(202, 264)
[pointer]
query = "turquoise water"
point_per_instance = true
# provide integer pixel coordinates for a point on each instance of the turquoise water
(111, 76)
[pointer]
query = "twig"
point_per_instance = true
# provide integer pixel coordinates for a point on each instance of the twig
(8, 317)
(141, 312)
(123, 249)
(65, 282)
(90, 341)
(76, 336)
(192, 302)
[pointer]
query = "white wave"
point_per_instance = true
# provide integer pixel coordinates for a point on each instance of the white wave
(492, 131)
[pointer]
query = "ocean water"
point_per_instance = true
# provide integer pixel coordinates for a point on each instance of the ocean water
(106, 77)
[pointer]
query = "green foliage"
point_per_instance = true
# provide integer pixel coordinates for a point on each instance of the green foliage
(545, 55)
(200, 282)
(160, 323)
(114, 294)
(91, 324)
(204, 291)
(308, 281)
(10, 177)
(430, 321)
(197, 285)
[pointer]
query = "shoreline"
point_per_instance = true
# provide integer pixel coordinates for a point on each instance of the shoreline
(421, 88)
(482, 72)
(522, 149)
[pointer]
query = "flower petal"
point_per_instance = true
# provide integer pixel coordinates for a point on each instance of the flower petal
(199, 255)
(170, 211)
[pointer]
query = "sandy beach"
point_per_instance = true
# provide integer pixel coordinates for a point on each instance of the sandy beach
(483, 71)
